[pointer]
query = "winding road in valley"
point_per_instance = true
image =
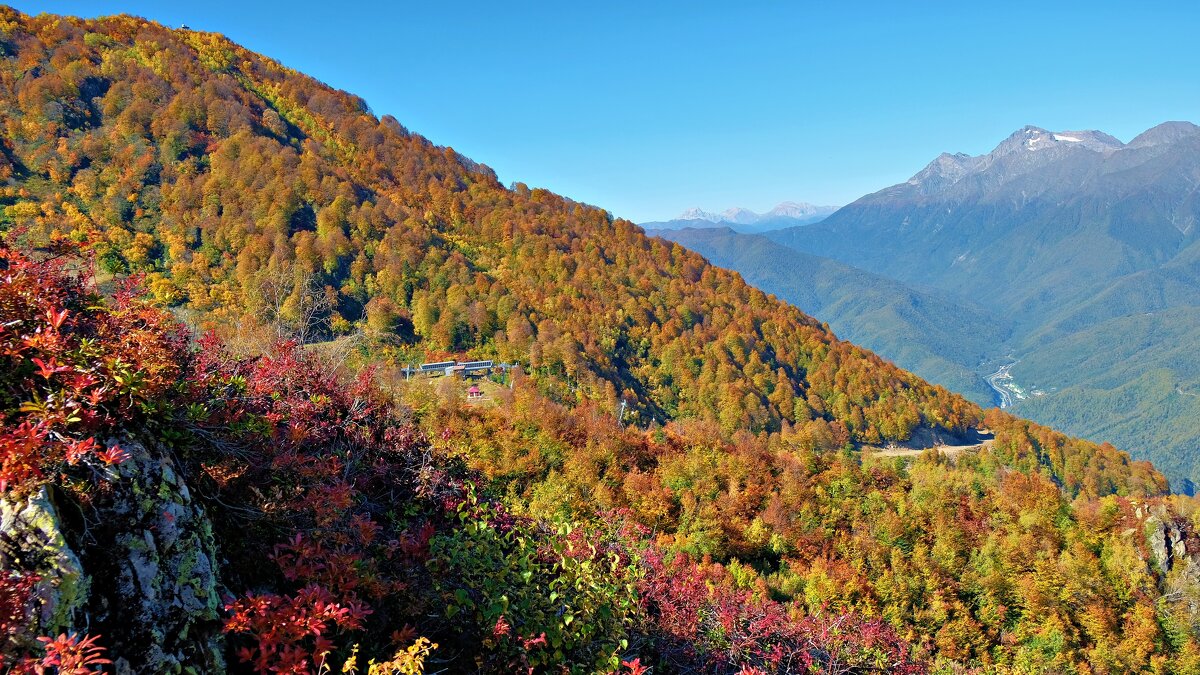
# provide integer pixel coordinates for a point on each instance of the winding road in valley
(1001, 382)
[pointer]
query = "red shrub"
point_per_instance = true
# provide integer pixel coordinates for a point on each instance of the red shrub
(72, 369)
(700, 621)
(291, 633)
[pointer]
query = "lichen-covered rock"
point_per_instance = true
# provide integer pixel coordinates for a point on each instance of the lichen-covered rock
(32, 542)
(135, 564)
(160, 579)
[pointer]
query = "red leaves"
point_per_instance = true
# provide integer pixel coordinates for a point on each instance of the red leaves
(56, 317)
(66, 654)
(48, 370)
(635, 667)
(21, 454)
(415, 545)
(334, 459)
(71, 655)
(290, 633)
(15, 591)
(71, 369)
(28, 449)
(329, 462)
(530, 643)
(76, 450)
(112, 456)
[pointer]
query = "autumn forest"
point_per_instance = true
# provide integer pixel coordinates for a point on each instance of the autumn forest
(213, 271)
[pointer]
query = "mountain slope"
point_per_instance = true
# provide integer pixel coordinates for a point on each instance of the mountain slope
(249, 192)
(1133, 377)
(938, 339)
(259, 515)
(1069, 235)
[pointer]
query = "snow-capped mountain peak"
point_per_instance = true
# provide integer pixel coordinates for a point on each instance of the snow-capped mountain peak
(696, 213)
(1031, 138)
(798, 210)
(740, 216)
(1024, 150)
(743, 216)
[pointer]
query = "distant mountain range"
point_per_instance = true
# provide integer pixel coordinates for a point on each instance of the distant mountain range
(1083, 253)
(786, 214)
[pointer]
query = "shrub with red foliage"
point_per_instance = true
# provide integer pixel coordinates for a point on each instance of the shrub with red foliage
(15, 589)
(698, 620)
(331, 465)
(291, 631)
(72, 368)
(69, 655)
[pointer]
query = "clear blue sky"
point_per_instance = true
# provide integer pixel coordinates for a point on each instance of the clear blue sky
(646, 108)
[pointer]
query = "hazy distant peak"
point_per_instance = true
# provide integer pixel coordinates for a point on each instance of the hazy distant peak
(736, 214)
(743, 216)
(740, 216)
(1167, 132)
(696, 213)
(798, 210)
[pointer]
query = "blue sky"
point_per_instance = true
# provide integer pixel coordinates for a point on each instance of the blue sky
(646, 108)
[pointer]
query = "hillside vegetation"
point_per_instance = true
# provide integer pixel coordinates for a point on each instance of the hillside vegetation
(229, 501)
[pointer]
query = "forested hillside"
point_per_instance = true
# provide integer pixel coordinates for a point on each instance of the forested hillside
(227, 501)
(248, 192)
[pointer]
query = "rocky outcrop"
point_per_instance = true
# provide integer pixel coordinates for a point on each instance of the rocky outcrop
(1167, 537)
(1174, 548)
(136, 565)
(32, 543)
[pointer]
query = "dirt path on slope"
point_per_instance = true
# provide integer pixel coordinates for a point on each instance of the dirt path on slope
(948, 450)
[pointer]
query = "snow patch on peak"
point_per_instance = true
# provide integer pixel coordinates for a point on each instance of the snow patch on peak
(696, 213)
(1023, 150)
(798, 210)
(740, 216)
(743, 216)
